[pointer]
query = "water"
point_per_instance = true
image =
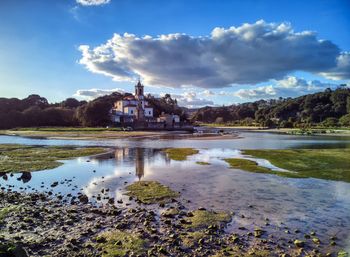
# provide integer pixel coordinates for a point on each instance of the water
(305, 204)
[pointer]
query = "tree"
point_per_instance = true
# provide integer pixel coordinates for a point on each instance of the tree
(345, 120)
(94, 113)
(70, 103)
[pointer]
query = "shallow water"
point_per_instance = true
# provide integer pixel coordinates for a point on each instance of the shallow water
(304, 204)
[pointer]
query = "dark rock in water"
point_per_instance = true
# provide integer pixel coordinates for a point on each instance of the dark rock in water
(111, 201)
(54, 184)
(83, 199)
(26, 177)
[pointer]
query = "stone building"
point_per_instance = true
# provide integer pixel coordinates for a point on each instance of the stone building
(132, 108)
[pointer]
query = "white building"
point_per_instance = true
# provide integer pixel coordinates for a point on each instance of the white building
(133, 107)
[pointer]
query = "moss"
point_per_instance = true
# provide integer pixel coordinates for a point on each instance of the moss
(150, 192)
(180, 154)
(7, 210)
(203, 163)
(120, 243)
(247, 165)
(192, 238)
(203, 218)
(331, 164)
(20, 158)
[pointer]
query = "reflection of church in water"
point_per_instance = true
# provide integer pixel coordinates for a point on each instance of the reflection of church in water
(136, 154)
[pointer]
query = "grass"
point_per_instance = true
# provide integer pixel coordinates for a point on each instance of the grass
(67, 129)
(75, 132)
(120, 243)
(180, 154)
(330, 164)
(149, 192)
(203, 218)
(20, 158)
(203, 163)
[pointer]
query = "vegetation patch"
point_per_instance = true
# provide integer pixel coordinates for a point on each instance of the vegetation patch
(204, 218)
(203, 163)
(331, 164)
(7, 210)
(149, 192)
(120, 243)
(180, 154)
(192, 238)
(20, 158)
(247, 165)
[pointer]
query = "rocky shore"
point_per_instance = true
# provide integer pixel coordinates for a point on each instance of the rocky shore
(36, 224)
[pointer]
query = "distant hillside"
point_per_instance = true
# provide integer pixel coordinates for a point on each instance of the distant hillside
(330, 108)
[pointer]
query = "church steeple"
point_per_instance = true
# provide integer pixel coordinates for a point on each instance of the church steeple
(139, 90)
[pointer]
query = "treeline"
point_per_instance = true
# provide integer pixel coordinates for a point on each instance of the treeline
(36, 111)
(330, 108)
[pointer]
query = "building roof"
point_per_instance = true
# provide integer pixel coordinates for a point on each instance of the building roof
(129, 97)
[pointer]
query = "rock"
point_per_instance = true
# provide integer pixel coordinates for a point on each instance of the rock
(54, 184)
(299, 243)
(83, 199)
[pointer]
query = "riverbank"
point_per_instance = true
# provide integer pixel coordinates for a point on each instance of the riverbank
(102, 133)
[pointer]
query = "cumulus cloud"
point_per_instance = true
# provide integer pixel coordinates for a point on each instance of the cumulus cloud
(248, 54)
(342, 70)
(95, 92)
(92, 2)
(288, 87)
(191, 100)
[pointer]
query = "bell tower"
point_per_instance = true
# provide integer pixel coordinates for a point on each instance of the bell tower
(139, 91)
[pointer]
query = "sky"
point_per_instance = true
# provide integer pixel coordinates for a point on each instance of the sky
(201, 52)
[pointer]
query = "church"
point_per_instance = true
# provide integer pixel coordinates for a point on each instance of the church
(132, 108)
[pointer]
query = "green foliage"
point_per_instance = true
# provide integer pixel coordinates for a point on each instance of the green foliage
(345, 120)
(330, 122)
(331, 164)
(149, 192)
(304, 111)
(18, 158)
(180, 154)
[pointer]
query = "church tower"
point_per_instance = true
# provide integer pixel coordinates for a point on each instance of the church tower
(140, 112)
(139, 91)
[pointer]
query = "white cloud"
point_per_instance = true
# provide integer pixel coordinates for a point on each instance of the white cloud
(342, 70)
(93, 93)
(248, 54)
(92, 2)
(288, 87)
(190, 99)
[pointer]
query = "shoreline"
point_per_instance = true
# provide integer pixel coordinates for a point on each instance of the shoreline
(110, 135)
(38, 224)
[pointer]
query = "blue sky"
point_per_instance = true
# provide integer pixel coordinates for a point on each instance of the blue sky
(40, 48)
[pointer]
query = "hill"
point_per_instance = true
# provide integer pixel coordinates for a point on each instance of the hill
(330, 108)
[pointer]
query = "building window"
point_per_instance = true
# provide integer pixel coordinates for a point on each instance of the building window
(131, 111)
(149, 112)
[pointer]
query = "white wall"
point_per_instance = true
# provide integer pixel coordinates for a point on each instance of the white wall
(148, 112)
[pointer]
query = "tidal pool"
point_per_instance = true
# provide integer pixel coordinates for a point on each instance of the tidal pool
(288, 204)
